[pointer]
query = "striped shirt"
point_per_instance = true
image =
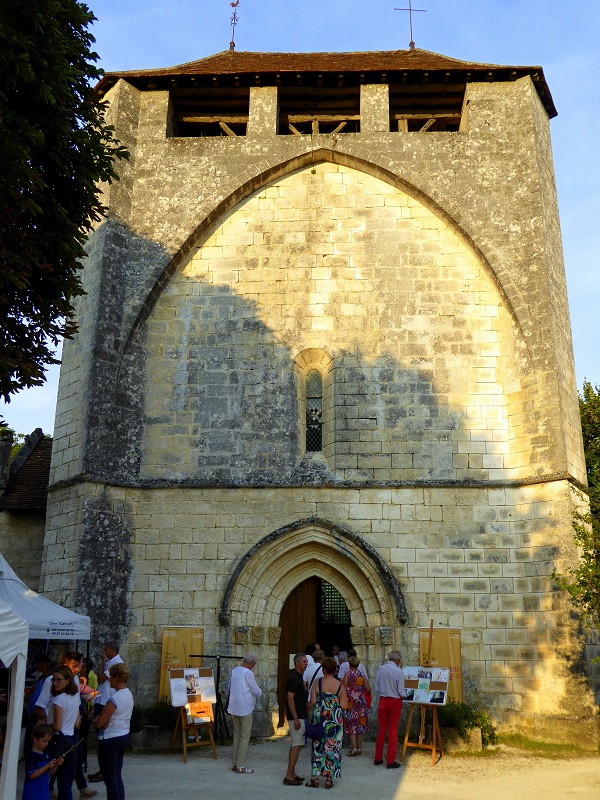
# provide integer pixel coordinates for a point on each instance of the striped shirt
(390, 681)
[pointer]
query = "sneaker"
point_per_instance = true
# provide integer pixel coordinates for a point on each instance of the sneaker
(87, 792)
(95, 778)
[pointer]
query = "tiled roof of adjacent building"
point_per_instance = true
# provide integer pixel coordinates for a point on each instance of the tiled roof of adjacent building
(29, 473)
(233, 62)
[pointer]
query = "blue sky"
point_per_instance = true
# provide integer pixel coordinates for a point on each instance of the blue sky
(559, 35)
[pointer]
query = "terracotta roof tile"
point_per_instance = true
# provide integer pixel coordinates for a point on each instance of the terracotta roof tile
(228, 62)
(28, 484)
(246, 62)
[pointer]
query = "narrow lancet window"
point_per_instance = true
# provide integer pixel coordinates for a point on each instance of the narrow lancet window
(314, 411)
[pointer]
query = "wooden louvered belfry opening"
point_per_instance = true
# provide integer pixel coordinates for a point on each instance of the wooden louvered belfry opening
(314, 103)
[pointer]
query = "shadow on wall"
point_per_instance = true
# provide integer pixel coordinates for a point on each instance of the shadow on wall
(221, 405)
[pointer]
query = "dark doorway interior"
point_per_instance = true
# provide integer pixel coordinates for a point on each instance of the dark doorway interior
(314, 612)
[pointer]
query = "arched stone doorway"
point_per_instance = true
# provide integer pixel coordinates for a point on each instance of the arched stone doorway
(314, 612)
(276, 565)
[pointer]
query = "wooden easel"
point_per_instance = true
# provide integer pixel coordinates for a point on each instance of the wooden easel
(436, 738)
(194, 729)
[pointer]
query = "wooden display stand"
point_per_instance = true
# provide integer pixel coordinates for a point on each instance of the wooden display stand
(194, 729)
(427, 687)
(436, 738)
(186, 688)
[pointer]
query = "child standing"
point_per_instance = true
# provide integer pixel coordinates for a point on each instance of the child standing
(38, 766)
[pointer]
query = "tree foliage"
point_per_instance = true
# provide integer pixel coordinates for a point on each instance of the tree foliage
(55, 148)
(583, 583)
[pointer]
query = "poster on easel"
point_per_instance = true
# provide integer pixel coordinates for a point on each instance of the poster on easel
(441, 648)
(192, 685)
(179, 644)
(199, 713)
(426, 685)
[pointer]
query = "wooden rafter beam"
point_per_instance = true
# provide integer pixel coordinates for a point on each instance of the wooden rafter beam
(425, 115)
(230, 119)
(225, 127)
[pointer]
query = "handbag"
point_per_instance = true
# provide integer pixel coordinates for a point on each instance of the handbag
(136, 723)
(315, 730)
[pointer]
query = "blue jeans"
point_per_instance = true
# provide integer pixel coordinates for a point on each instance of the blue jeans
(64, 774)
(110, 761)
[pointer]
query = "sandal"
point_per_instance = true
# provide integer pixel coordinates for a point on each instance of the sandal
(329, 784)
(243, 770)
(312, 783)
(353, 753)
(359, 752)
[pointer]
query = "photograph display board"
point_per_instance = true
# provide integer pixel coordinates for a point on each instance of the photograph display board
(426, 685)
(192, 685)
(178, 643)
(442, 646)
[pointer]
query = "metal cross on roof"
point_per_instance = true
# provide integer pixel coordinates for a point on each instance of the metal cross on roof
(234, 21)
(410, 10)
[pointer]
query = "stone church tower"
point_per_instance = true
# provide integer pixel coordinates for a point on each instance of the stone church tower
(323, 384)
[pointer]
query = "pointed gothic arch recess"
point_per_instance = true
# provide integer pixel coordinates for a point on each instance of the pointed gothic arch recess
(275, 565)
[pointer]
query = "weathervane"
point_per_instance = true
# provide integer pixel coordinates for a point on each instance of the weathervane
(234, 21)
(410, 10)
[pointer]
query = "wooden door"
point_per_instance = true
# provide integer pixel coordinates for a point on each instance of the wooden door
(298, 623)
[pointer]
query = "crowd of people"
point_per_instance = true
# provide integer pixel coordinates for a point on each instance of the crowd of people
(67, 700)
(327, 697)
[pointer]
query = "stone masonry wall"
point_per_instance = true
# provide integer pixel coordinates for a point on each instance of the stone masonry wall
(484, 181)
(426, 380)
(477, 559)
(21, 544)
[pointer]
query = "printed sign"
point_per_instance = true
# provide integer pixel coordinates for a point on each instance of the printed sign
(426, 685)
(445, 652)
(179, 644)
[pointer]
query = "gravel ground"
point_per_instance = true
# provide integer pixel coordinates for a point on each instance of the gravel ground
(507, 775)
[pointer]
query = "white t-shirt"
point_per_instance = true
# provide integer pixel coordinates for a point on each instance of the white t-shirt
(346, 666)
(310, 671)
(45, 700)
(104, 689)
(70, 709)
(118, 724)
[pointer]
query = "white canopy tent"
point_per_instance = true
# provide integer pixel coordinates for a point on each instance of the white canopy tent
(47, 620)
(14, 635)
(25, 614)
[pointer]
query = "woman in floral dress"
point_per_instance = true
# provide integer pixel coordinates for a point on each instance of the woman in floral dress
(356, 716)
(329, 701)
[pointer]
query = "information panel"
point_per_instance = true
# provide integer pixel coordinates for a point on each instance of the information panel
(443, 647)
(178, 644)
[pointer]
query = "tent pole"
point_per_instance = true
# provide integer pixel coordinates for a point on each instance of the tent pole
(10, 758)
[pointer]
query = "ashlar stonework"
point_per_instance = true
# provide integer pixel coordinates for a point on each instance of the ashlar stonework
(416, 267)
